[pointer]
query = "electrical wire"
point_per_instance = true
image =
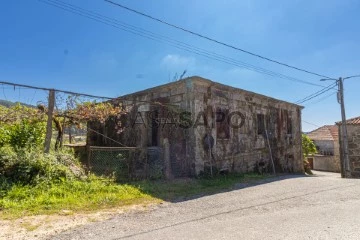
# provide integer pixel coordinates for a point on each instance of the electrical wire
(320, 100)
(317, 93)
(163, 39)
(311, 123)
(355, 76)
(213, 40)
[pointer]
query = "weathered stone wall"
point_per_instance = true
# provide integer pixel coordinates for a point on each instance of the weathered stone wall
(354, 148)
(244, 149)
(152, 121)
(206, 142)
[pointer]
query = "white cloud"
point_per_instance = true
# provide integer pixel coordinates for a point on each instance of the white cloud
(242, 73)
(173, 61)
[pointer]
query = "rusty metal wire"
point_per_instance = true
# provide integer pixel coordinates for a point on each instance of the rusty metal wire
(125, 163)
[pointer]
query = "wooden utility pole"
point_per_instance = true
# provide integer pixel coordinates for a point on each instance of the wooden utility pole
(51, 105)
(345, 162)
(345, 152)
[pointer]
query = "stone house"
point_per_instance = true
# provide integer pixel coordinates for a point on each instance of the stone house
(327, 143)
(203, 126)
(353, 131)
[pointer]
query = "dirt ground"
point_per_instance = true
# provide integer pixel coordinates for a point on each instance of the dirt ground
(322, 206)
(43, 226)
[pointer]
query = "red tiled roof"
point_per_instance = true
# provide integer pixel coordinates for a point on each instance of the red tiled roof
(334, 130)
(351, 121)
(327, 132)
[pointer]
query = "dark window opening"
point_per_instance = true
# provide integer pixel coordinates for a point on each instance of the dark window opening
(222, 126)
(289, 125)
(260, 124)
(154, 128)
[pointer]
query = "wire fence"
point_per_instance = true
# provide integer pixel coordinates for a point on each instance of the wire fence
(64, 128)
(126, 163)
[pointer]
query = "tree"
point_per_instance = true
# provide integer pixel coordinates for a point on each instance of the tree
(24, 125)
(21, 127)
(80, 113)
(308, 146)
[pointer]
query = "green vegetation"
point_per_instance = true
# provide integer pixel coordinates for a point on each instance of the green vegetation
(96, 193)
(308, 148)
(6, 103)
(69, 195)
(32, 182)
(188, 188)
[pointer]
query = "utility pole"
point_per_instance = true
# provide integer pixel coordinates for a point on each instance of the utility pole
(346, 171)
(49, 121)
(345, 152)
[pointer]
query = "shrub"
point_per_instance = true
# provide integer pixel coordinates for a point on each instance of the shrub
(4, 134)
(32, 167)
(27, 135)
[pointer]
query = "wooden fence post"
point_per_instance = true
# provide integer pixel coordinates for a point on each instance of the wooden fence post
(49, 121)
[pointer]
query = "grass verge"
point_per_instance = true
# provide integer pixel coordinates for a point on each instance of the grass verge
(180, 189)
(68, 197)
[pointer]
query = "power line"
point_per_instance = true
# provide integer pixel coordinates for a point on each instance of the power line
(322, 99)
(311, 123)
(213, 40)
(317, 93)
(352, 77)
(163, 39)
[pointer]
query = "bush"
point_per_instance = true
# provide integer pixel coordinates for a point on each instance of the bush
(4, 134)
(27, 135)
(23, 135)
(32, 167)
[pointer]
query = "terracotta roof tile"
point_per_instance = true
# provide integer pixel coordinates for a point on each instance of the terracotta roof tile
(327, 132)
(351, 121)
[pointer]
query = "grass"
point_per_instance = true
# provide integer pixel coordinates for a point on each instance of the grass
(68, 197)
(84, 196)
(29, 226)
(187, 188)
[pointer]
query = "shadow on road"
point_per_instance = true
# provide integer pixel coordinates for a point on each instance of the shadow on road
(185, 189)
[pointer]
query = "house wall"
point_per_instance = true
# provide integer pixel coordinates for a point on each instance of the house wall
(325, 147)
(150, 122)
(245, 149)
(326, 163)
(330, 159)
(354, 148)
(238, 149)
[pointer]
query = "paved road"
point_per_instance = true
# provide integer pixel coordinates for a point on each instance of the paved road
(293, 207)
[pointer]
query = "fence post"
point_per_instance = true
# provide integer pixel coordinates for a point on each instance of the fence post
(168, 173)
(49, 121)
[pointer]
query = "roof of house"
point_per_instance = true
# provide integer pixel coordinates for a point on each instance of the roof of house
(327, 132)
(201, 79)
(352, 121)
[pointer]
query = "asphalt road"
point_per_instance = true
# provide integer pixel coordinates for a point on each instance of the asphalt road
(292, 207)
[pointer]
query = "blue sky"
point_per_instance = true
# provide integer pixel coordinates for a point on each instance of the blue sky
(46, 46)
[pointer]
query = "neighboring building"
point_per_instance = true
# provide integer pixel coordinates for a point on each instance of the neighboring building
(327, 144)
(353, 131)
(204, 126)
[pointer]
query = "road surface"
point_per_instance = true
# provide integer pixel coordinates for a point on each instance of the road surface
(292, 207)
